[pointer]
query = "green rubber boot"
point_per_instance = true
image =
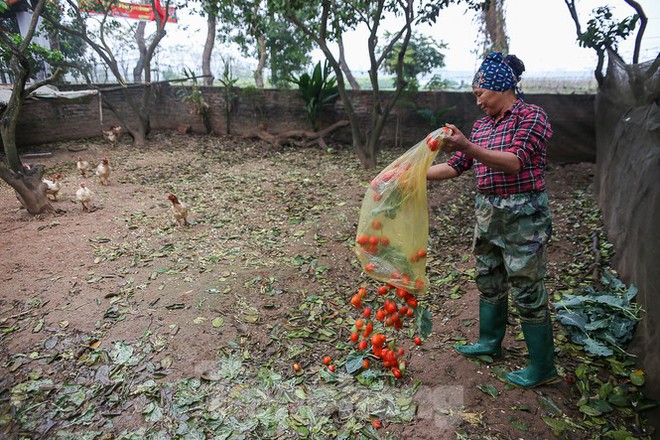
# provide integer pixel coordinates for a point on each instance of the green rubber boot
(492, 326)
(540, 368)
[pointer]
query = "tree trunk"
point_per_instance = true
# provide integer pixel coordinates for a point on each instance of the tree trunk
(344, 66)
(495, 25)
(259, 71)
(208, 49)
(142, 47)
(29, 188)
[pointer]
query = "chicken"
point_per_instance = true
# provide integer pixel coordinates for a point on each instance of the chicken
(112, 135)
(53, 186)
(179, 210)
(83, 166)
(103, 171)
(84, 196)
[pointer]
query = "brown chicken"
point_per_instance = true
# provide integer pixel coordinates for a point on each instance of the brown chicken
(179, 210)
(112, 135)
(84, 196)
(83, 166)
(103, 171)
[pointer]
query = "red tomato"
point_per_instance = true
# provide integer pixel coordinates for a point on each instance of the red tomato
(373, 240)
(296, 367)
(368, 329)
(421, 253)
(384, 241)
(377, 197)
(380, 314)
(419, 284)
(382, 290)
(327, 360)
(412, 302)
(418, 340)
(414, 258)
(362, 292)
(369, 267)
(397, 373)
(433, 144)
(400, 352)
(367, 313)
(356, 301)
(359, 324)
(365, 364)
(354, 337)
(390, 307)
(376, 424)
(331, 368)
(403, 310)
(377, 224)
(362, 345)
(362, 240)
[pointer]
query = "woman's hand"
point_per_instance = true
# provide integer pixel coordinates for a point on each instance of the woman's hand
(457, 141)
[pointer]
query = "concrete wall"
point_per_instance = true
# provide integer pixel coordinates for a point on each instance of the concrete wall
(43, 122)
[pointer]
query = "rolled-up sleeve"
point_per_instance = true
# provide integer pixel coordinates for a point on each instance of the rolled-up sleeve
(531, 135)
(460, 162)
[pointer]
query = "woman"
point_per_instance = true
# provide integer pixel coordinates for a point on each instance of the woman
(507, 150)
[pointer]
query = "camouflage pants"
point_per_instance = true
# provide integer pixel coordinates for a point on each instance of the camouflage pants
(511, 236)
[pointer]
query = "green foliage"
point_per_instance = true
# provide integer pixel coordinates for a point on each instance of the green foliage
(35, 54)
(422, 55)
(603, 32)
(600, 321)
(3, 6)
(317, 90)
(436, 119)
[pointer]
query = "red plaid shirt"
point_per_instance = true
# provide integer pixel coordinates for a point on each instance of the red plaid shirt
(524, 131)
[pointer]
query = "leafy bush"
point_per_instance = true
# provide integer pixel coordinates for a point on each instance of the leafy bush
(317, 90)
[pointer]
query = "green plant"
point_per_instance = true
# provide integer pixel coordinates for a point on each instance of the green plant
(601, 320)
(435, 118)
(228, 81)
(196, 100)
(317, 90)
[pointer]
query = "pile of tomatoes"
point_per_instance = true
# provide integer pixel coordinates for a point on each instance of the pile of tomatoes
(376, 331)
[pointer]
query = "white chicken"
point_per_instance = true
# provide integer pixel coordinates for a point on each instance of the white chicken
(53, 186)
(83, 166)
(103, 171)
(84, 196)
(179, 210)
(112, 135)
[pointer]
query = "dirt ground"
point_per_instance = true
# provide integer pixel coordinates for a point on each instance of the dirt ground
(120, 324)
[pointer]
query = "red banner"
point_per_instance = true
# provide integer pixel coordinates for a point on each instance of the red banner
(136, 11)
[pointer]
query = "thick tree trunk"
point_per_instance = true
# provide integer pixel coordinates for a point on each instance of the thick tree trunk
(259, 71)
(142, 47)
(495, 25)
(208, 49)
(30, 190)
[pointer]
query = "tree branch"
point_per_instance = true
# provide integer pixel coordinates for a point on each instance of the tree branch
(51, 79)
(642, 27)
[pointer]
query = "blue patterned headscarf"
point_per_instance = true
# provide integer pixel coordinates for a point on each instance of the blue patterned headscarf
(499, 73)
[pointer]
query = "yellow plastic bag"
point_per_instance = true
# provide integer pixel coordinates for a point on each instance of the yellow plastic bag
(393, 231)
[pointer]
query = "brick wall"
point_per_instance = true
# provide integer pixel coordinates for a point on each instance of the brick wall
(572, 116)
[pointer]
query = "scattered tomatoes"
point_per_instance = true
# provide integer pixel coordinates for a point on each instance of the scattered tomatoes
(327, 360)
(418, 340)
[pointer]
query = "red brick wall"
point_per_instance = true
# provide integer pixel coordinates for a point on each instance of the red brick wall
(42, 122)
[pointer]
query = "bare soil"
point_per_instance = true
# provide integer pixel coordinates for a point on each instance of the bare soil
(268, 253)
